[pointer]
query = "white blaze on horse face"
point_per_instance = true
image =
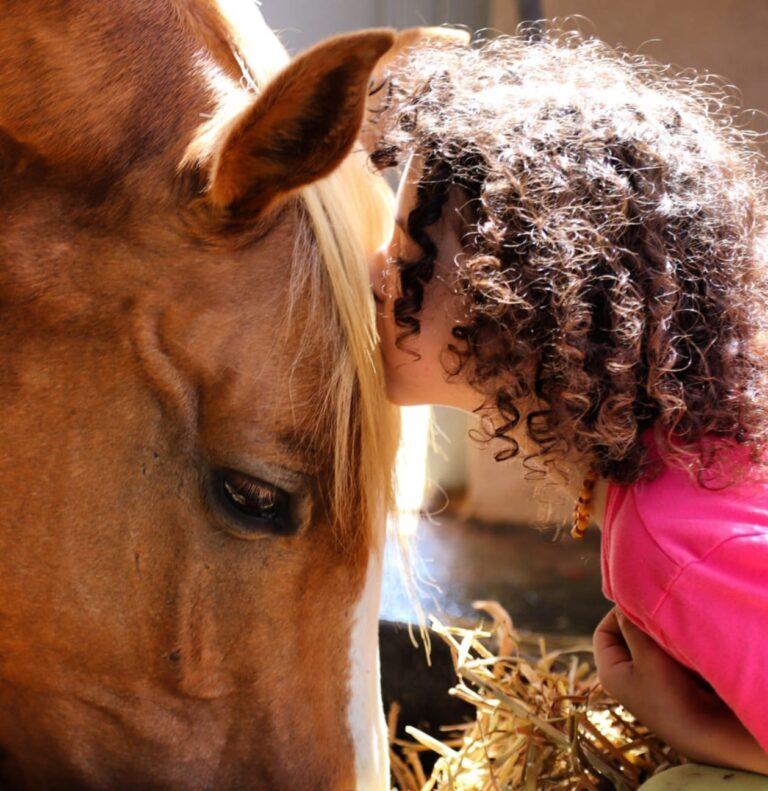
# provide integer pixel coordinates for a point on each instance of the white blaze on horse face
(366, 714)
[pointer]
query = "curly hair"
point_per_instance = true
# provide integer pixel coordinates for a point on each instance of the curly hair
(614, 222)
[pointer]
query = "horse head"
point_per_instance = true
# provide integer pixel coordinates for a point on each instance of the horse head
(196, 449)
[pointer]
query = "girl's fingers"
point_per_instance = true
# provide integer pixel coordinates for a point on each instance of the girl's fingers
(651, 659)
(610, 647)
(640, 645)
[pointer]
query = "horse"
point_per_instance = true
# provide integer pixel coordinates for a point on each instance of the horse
(196, 446)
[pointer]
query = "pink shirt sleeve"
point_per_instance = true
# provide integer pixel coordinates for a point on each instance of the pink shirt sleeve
(714, 614)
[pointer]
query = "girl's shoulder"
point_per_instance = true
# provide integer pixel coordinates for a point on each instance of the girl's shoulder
(687, 510)
(657, 527)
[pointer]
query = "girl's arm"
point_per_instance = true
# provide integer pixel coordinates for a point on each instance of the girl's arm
(670, 700)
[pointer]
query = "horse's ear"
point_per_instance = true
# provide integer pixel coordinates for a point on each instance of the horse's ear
(393, 67)
(300, 128)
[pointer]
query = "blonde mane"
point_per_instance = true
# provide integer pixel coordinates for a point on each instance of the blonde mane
(350, 216)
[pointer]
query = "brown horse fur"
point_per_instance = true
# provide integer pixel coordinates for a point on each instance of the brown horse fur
(142, 644)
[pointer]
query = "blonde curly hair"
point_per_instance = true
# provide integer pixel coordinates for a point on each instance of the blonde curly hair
(614, 218)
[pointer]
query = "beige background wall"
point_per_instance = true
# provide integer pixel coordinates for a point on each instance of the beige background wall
(724, 37)
(301, 23)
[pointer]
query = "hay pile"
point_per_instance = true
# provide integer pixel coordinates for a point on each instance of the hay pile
(541, 724)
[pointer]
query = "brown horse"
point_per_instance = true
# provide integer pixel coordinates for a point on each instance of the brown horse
(195, 447)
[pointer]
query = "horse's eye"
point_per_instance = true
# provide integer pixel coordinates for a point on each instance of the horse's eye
(257, 506)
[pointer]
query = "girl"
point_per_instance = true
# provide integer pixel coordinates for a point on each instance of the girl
(580, 257)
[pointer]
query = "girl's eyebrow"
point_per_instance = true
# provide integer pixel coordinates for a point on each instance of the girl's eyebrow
(402, 224)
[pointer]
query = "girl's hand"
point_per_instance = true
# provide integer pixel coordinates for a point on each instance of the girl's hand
(669, 699)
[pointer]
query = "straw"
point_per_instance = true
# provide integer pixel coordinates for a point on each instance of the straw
(542, 723)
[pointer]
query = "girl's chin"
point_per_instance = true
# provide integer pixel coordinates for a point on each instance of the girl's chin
(405, 389)
(401, 395)
(402, 391)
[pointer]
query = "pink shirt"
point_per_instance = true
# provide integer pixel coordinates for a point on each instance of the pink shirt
(689, 566)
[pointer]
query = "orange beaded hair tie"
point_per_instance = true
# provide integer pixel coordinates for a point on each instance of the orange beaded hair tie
(581, 515)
